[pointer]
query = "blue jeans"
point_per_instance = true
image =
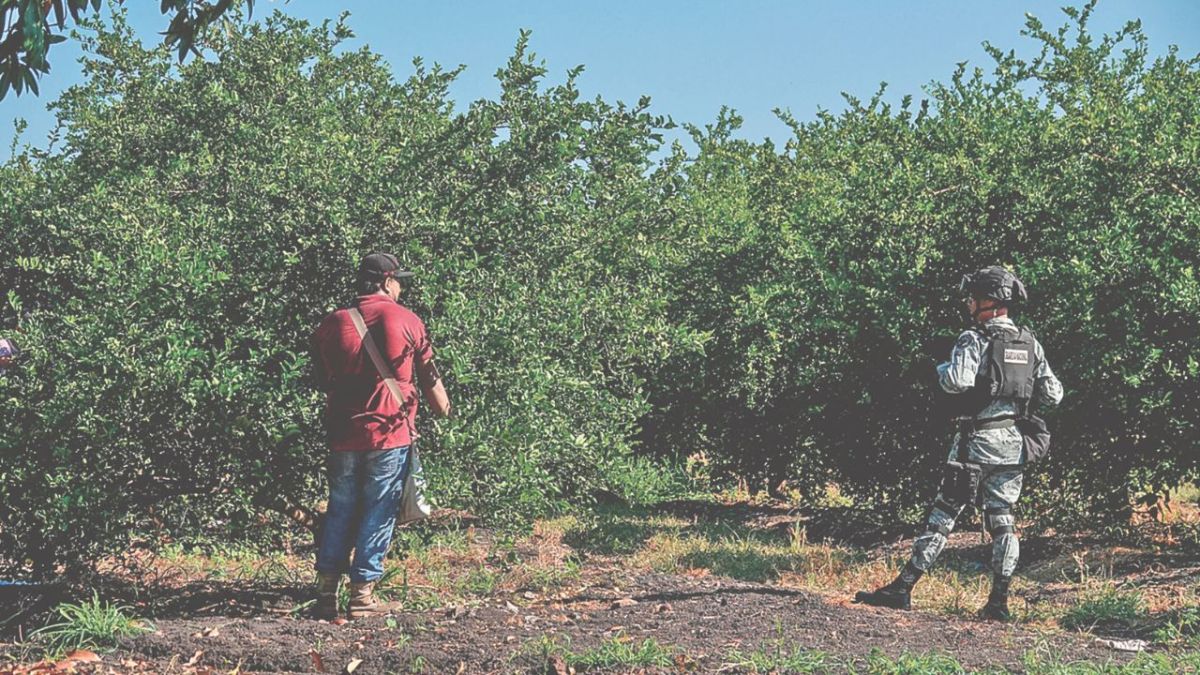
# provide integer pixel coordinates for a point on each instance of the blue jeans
(364, 493)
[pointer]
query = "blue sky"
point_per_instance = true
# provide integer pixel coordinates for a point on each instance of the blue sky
(690, 56)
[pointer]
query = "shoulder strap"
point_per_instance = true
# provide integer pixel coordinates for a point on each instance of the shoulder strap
(381, 366)
(385, 372)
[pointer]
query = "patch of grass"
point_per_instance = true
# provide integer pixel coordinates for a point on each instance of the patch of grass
(1181, 625)
(618, 531)
(394, 585)
(1107, 607)
(741, 554)
(1188, 492)
(622, 652)
(932, 663)
(743, 557)
(618, 651)
(231, 563)
(779, 656)
(1043, 663)
(549, 578)
(417, 664)
(543, 648)
(479, 581)
(92, 624)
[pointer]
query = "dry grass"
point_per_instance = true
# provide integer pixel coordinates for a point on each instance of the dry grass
(1136, 589)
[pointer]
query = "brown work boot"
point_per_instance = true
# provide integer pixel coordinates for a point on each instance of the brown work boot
(327, 596)
(363, 602)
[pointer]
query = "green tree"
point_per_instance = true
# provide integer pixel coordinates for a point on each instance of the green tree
(29, 27)
(174, 255)
(833, 262)
(597, 299)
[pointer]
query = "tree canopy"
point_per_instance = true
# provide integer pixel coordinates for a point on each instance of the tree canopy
(614, 317)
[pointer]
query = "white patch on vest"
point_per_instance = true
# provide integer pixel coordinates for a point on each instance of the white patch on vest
(1016, 356)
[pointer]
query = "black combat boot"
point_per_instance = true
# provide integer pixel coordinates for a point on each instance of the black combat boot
(996, 608)
(896, 595)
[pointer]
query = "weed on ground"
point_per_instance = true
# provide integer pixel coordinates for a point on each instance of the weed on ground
(92, 624)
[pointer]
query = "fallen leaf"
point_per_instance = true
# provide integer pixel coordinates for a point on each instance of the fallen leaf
(317, 661)
(82, 656)
(353, 665)
(211, 631)
(559, 665)
(511, 607)
(195, 659)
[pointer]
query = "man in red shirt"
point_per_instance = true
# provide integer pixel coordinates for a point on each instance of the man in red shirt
(370, 431)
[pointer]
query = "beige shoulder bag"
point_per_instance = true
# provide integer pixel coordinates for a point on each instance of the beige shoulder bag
(413, 506)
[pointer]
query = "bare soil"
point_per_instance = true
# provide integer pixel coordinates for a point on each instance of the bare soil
(703, 619)
(699, 618)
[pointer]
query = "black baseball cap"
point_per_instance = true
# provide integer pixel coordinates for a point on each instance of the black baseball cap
(381, 266)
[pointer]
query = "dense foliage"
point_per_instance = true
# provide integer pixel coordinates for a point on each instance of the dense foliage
(833, 261)
(29, 25)
(600, 303)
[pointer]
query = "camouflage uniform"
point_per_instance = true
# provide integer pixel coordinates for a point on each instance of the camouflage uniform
(998, 451)
(988, 441)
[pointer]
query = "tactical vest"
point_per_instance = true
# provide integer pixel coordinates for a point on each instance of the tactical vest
(1006, 370)
(1010, 364)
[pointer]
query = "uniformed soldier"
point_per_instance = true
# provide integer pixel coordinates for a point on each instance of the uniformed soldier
(996, 370)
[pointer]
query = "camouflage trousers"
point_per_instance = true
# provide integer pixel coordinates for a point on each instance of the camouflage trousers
(1000, 487)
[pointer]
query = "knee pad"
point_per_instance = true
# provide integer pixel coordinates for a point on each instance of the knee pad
(998, 521)
(945, 524)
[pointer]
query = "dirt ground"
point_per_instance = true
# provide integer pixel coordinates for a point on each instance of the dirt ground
(704, 619)
(679, 588)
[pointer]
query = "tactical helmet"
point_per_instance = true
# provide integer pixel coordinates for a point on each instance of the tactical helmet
(995, 283)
